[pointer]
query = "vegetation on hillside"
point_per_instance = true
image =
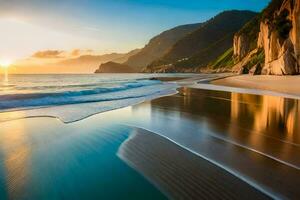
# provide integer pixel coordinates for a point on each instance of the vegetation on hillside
(204, 57)
(251, 30)
(258, 58)
(225, 60)
(159, 45)
(207, 43)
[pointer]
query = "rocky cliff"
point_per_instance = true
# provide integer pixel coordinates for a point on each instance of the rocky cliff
(241, 46)
(278, 39)
(245, 40)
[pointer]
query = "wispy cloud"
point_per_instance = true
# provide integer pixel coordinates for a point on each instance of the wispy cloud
(48, 54)
(79, 52)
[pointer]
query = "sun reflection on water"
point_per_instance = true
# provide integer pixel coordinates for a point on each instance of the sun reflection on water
(16, 153)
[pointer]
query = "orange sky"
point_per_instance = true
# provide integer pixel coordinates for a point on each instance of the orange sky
(103, 26)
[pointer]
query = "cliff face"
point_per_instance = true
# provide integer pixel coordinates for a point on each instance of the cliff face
(241, 46)
(281, 44)
(278, 37)
(246, 39)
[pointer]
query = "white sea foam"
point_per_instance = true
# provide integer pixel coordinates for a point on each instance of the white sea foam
(77, 99)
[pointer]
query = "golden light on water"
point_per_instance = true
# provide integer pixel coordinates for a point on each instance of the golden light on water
(5, 64)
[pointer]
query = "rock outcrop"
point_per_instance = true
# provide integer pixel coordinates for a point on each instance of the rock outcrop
(278, 37)
(248, 63)
(241, 46)
(256, 69)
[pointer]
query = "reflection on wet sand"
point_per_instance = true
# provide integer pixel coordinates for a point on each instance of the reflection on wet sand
(242, 133)
(268, 114)
(15, 154)
(270, 124)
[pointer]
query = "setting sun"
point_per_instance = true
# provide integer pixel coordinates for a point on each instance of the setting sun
(5, 63)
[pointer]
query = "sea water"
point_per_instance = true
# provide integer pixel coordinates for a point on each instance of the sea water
(80, 95)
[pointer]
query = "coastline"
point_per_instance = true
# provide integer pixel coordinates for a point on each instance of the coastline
(121, 104)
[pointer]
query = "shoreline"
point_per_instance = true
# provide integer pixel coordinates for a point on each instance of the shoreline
(223, 82)
(208, 114)
(219, 112)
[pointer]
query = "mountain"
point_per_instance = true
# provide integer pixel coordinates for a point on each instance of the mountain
(79, 64)
(88, 63)
(205, 44)
(113, 67)
(238, 41)
(159, 45)
(269, 44)
(124, 57)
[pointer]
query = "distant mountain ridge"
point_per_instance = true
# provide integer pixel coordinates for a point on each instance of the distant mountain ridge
(89, 63)
(81, 64)
(156, 48)
(92, 61)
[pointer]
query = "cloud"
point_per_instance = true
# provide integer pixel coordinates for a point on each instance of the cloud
(76, 52)
(60, 54)
(79, 52)
(48, 54)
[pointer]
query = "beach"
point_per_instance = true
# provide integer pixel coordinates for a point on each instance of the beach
(283, 84)
(150, 100)
(195, 144)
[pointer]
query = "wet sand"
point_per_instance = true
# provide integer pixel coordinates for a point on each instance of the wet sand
(254, 137)
(195, 144)
(179, 173)
(283, 84)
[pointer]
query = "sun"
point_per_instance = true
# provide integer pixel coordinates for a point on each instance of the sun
(5, 63)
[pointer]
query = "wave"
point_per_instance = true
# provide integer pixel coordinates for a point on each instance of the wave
(70, 113)
(92, 91)
(72, 86)
(128, 90)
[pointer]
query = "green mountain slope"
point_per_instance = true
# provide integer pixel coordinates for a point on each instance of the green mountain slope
(207, 43)
(159, 45)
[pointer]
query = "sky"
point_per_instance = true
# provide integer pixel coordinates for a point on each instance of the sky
(28, 26)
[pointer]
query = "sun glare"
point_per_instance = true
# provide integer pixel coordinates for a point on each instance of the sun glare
(5, 63)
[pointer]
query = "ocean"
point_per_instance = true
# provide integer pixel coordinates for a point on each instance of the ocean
(95, 92)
